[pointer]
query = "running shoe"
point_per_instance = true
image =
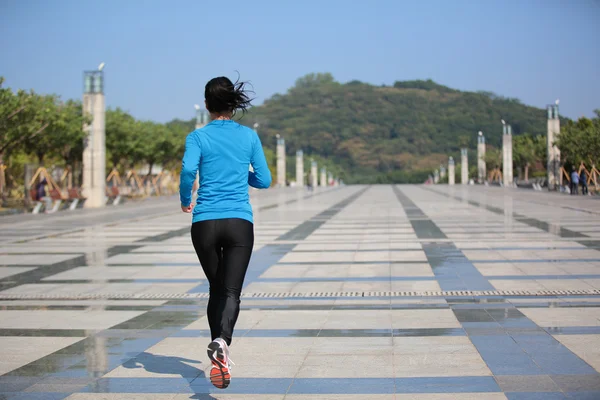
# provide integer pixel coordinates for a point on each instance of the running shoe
(220, 373)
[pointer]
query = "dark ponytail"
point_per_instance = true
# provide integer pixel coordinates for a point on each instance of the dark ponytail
(223, 96)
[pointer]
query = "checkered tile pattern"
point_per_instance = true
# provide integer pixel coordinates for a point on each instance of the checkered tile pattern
(350, 239)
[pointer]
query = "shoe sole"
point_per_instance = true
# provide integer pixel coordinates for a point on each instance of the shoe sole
(220, 376)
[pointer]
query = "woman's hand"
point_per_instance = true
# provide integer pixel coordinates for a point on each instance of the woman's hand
(187, 209)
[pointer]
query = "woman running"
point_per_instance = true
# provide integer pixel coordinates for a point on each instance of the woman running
(222, 223)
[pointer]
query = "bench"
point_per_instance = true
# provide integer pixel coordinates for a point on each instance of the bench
(54, 194)
(57, 198)
(37, 205)
(75, 197)
(114, 195)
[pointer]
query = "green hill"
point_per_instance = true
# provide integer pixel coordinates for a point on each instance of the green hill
(396, 133)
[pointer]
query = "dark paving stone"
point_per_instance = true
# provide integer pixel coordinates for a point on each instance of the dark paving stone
(503, 356)
(17, 383)
(342, 386)
(536, 223)
(263, 259)
(578, 383)
(306, 228)
(552, 356)
(511, 317)
(33, 396)
(452, 269)
(55, 388)
(139, 385)
(473, 316)
(165, 236)
(535, 396)
(519, 383)
(584, 395)
(38, 274)
(574, 330)
(429, 332)
(46, 332)
(466, 384)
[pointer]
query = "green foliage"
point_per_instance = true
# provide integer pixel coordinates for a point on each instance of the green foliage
(360, 132)
(529, 151)
(370, 131)
(122, 133)
(23, 116)
(580, 141)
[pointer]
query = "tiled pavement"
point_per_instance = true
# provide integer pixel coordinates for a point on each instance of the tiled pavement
(381, 292)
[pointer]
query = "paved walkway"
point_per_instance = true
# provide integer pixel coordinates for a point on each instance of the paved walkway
(380, 292)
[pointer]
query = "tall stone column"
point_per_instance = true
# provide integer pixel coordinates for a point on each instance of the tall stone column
(314, 174)
(442, 171)
(300, 168)
(481, 169)
(553, 167)
(436, 176)
(280, 161)
(94, 148)
(202, 117)
(464, 167)
(507, 157)
(451, 171)
(323, 177)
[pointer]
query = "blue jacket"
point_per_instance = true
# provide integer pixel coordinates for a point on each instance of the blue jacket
(222, 152)
(574, 177)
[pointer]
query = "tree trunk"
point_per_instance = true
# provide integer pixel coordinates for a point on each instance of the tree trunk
(149, 178)
(527, 172)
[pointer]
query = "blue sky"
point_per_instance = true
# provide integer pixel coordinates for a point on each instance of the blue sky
(159, 54)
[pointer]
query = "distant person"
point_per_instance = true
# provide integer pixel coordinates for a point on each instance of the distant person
(41, 195)
(222, 224)
(574, 181)
(583, 181)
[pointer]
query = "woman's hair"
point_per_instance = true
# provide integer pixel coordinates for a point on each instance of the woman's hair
(224, 96)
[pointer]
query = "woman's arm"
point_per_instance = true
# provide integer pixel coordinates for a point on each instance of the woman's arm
(261, 177)
(189, 168)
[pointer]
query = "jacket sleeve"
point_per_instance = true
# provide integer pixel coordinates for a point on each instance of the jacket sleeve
(189, 168)
(261, 177)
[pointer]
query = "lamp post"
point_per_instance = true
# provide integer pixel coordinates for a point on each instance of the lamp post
(94, 147)
(451, 177)
(507, 154)
(553, 167)
(280, 161)
(481, 168)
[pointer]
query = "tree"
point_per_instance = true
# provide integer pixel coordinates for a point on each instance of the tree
(493, 158)
(121, 136)
(157, 144)
(23, 116)
(580, 141)
(68, 133)
(527, 151)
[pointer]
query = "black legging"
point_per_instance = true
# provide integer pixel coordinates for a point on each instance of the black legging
(224, 247)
